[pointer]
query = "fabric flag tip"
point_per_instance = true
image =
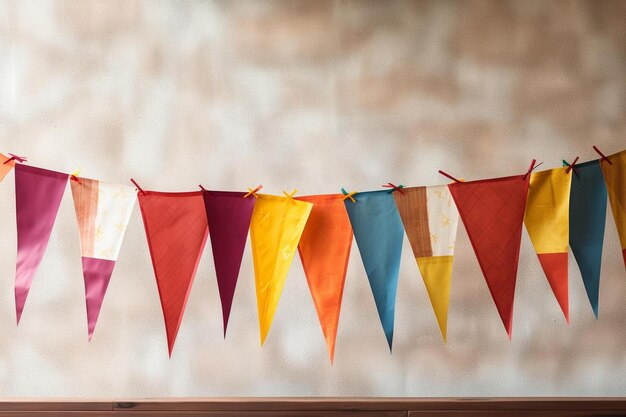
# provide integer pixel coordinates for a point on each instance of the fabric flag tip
(97, 274)
(555, 267)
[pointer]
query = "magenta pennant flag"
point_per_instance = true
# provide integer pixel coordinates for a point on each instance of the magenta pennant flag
(228, 215)
(38, 194)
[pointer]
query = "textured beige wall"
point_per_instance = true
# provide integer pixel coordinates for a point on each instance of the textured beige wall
(313, 95)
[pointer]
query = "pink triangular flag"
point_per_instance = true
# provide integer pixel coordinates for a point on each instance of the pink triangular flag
(38, 194)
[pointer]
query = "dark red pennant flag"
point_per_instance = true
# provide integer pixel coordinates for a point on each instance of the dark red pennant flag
(228, 214)
(176, 228)
(492, 211)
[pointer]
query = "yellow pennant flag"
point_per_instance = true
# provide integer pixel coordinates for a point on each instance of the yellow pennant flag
(547, 222)
(275, 229)
(615, 178)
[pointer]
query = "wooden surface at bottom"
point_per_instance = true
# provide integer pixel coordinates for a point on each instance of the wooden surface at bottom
(316, 407)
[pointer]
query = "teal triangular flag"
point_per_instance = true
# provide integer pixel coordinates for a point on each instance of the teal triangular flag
(378, 233)
(587, 216)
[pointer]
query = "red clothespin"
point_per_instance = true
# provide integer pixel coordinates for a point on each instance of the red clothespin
(13, 157)
(445, 174)
(531, 168)
(74, 176)
(599, 153)
(252, 192)
(201, 187)
(349, 195)
(138, 187)
(394, 187)
(571, 166)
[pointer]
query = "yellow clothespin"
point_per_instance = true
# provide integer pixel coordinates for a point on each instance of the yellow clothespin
(252, 192)
(349, 195)
(290, 195)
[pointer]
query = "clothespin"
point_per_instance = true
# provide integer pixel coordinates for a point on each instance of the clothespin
(349, 195)
(290, 195)
(13, 157)
(201, 187)
(74, 175)
(445, 174)
(595, 149)
(252, 192)
(530, 168)
(394, 187)
(571, 167)
(138, 187)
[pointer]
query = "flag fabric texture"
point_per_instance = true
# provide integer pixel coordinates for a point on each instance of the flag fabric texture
(378, 233)
(492, 211)
(38, 194)
(324, 249)
(6, 165)
(275, 229)
(228, 215)
(176, 230)
(587, 218)
(102, 211)
(430, 220)
(615, 179)
(547, 222)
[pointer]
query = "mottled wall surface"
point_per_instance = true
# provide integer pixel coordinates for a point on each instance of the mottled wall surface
(314, 96)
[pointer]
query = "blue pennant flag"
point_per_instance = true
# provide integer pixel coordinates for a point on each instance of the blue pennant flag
(379, 232)
(587, 216)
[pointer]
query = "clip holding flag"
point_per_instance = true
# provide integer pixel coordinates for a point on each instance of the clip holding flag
(291, 194)
(252, 192)
(138, 187)
(74, 176)
(394, 187)
(445, 174)
(349, 195)
(532, 167)
(14, 157)
(595, 148)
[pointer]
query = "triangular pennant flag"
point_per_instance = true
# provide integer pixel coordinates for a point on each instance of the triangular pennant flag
(38, 194)
(430, 220)
(102, 211)
(547, 223)
(275, 230)
(587, 218)
(378, 233)
(228, 214)
(176, 228)
(492, 211)
(615, 179)
(324, 250)
(6, 165)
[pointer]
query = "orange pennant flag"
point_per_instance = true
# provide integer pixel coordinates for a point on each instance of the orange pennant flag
(6, 165)
(324, 250)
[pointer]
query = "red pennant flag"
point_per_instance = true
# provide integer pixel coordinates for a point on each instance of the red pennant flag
(324, 250)
(176, 228)
(492, 211)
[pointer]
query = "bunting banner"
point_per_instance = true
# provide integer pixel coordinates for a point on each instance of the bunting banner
(587, 218)
(228, 214)
(38, 194)
(6, 166)
(614, 170)
(379, 233)
(176, 230)
(492, 211)
(547, 222)
(102, 211)
(275, 229)
(324, 249)
(430, 220)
